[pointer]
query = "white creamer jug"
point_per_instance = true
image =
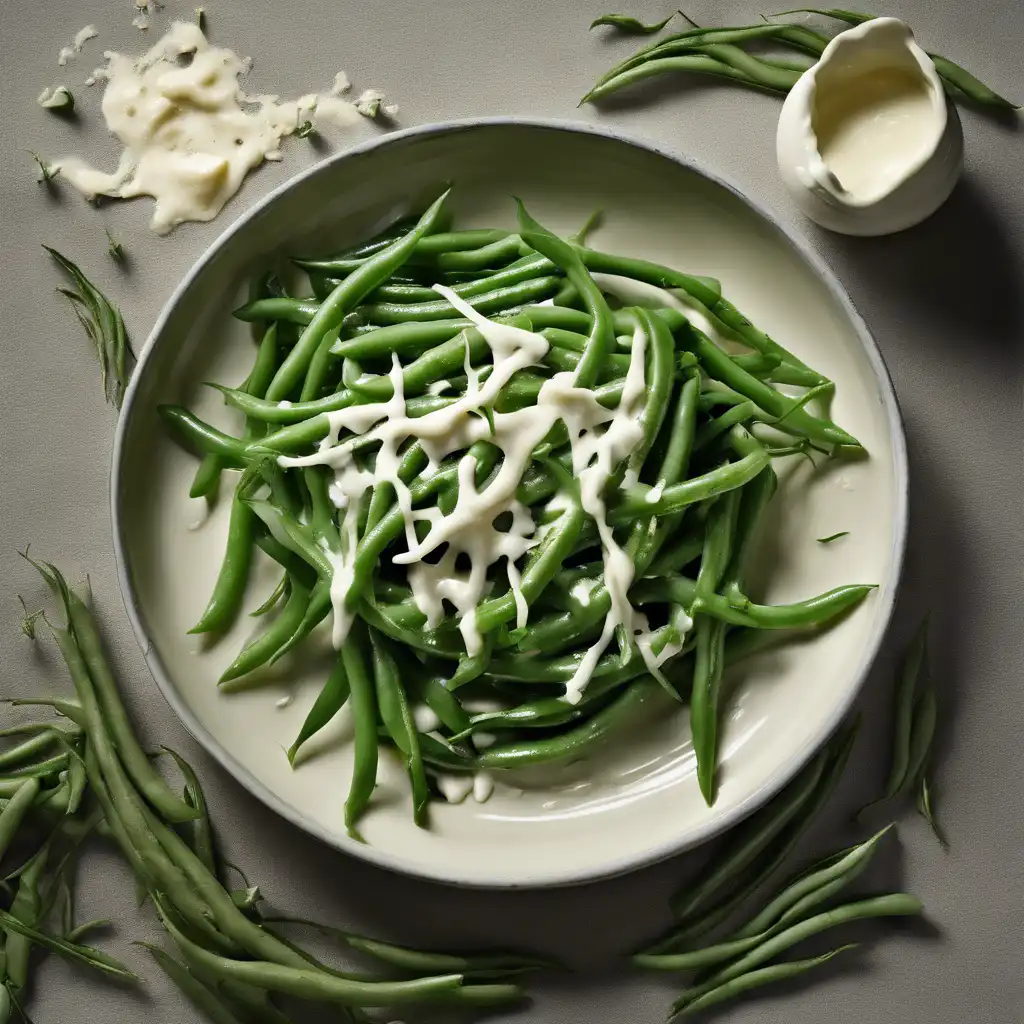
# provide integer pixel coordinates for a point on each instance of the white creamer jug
(867, 143)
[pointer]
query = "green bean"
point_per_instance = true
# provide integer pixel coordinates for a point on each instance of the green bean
(893, 905)
(260, 650)
(493, 301)
(901, 772)
(924, 808)
(364, 713)
(635, 501)
(756, 849)
(13, 814)
(69, 950)
(229, 590)
(51, 766)
(710, 634)
(958, 81)
(494, 254)
(811, 612)
(791, 905)
(445, 705)
(200, 831)
(601, 337)
(925, 715)
(27, 749)
(749, 841)
(136, 763)
(473, 965)
(396, 715)
(307, 983)
(345, 297)
(276, 594)
(785, 971)
(202, 437)
(278, 307)
(541, 565)
(429, 245)
(316, 375)
(129, 818)
(206, 1000)
(798, 420)
(328, 703)
(630, 26)
(693, 63)
(641, 695)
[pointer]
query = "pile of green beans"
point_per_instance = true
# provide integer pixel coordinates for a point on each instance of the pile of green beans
(85, 772)
(745, 957)
(685, 505)
(720, 52)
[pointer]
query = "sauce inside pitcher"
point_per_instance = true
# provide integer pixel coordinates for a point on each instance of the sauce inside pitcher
(873, 129)
(867, 143)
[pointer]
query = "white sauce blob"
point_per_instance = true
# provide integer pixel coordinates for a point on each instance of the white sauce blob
(873, 127)
(190, 134)
(82, 36)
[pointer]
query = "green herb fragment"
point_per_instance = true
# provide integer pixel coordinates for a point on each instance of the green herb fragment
(629, 25)
(59, 100)
(924, 808)
(833, 536)
(306, 130)
(28, 623)
(47, 172)
(114, 249)
(103, 324)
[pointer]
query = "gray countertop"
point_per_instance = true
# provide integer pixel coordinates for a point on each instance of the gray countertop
(945, 301)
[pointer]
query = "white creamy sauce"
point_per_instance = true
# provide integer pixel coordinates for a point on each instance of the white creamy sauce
(600, 440)
(190, 133)
(425, 719)
(483, 787)
(455, 788)
(82, 36)
(483, 740)
(283, 702)
(873, 128)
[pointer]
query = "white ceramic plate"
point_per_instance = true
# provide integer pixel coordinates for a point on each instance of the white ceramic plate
(638, 800)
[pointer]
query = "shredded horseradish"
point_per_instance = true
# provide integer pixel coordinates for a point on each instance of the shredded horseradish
(600, 440)
(190, 133)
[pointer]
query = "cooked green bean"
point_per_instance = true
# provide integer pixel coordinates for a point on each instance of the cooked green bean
(914, 722)
(364, 712)
(893, 905)
(345, 297)
(715, 51)
(805, 892)
(396, 715)
(757, 978)
(959, 82)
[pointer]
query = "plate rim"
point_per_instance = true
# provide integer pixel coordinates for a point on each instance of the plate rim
(620, 865)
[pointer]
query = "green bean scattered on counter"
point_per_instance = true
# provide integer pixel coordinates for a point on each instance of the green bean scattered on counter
(629, 25)
(550, 640)
(744, 958)
(914, 720)
(85, 774)
(720, 52)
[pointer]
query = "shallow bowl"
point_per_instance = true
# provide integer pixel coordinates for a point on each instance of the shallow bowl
(636, 800)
